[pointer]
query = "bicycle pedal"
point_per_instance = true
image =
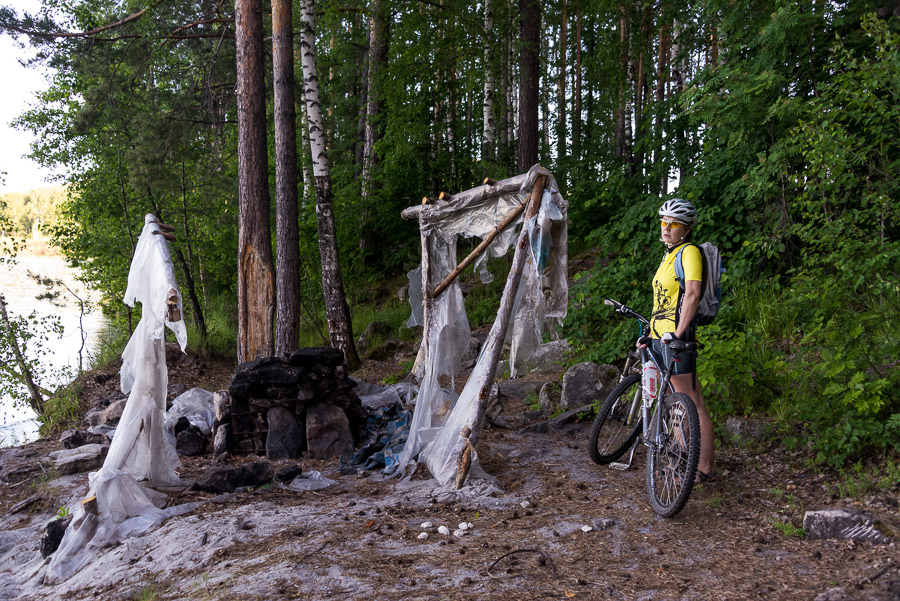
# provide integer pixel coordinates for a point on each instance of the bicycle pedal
(616, 465)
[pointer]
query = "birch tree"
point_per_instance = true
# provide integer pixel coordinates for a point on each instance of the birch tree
(489, 135)
(337, 312)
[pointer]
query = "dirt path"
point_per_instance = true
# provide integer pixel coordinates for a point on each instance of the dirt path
(358, 539)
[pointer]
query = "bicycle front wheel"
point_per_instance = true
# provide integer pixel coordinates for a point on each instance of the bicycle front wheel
(614, 429)
(673, 455)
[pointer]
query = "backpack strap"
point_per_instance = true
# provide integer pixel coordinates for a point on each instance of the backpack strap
(679, 267)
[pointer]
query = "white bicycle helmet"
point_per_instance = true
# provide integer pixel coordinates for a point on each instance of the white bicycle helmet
(679, 209)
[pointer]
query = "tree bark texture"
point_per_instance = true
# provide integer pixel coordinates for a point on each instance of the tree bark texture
(576, 115)
(256, 290)
(529, 78)
(337, 312)
(379, 32)
(488, 136)
(287, 236)
(308, 186)
(561, 132)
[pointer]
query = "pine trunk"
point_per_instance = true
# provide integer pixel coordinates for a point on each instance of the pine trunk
(337, 312)
(561, 129)
(256, 289)
(529, 78)
(287, 236)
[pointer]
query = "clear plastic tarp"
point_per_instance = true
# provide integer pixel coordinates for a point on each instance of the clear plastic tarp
(139, 450)
(540, 298)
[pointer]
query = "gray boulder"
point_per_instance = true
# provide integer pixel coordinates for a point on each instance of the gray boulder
(518, 389)
(327, 431)
(746, 429)
(229, 478)
(222, 406)
(844, 524)
(550, 357)
(581, 384)
(375, 329)
(286, 438)
(109, 416)
(548, 391)
(221, 442)
(81, 459)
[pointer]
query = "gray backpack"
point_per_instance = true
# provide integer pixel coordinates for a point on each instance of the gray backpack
(711, 287)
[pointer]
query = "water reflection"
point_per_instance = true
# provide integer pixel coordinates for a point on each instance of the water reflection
(18, 424)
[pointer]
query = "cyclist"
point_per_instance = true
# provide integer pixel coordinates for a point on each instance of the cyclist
(673, 315)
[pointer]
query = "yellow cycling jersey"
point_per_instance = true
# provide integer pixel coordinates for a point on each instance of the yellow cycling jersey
(667, 293)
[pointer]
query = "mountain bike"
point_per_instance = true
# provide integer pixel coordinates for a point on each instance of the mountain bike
(670, 429)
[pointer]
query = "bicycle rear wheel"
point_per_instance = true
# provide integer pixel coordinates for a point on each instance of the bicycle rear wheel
(613, 433)
(673, 456)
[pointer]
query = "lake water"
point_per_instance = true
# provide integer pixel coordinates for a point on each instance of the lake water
(18, 424)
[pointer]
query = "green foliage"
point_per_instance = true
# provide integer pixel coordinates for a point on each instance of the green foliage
(62, 513)
(793, 183)
(30, 337)
(61, 410)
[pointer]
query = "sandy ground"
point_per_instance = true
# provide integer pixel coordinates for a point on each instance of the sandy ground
(359, 538)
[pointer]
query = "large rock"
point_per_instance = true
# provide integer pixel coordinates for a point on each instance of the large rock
(327, 431)
(549, 357)
(547, 394)
(747, 429)
(845, 524)
(286, 439)
(190, 442)
(518, 389)
(581, 384)
(109, 416)
(377, 332)
(222, 406)
(81, 459)
(230, 478)
(222, 440)
(72, 439)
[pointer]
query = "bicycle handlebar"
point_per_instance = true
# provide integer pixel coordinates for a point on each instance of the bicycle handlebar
(626, 311)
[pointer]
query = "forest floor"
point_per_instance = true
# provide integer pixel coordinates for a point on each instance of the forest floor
(359, 537)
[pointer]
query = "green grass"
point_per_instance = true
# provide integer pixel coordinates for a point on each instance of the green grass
(788, 528)
(62, 410)
(858, 482)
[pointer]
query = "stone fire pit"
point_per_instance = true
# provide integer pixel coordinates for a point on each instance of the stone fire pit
(285, 407)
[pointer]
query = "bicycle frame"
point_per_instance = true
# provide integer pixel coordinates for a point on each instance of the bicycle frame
(648, 411)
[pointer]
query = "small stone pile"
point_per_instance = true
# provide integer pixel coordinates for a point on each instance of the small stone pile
(284, 407)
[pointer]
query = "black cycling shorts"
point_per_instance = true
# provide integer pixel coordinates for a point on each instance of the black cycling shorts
(686, 363)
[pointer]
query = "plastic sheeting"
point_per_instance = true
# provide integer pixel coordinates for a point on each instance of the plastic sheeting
(541, 298)
(197, 406)
(139, 450)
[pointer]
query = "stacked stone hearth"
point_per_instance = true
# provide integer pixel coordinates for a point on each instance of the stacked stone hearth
(299, 405)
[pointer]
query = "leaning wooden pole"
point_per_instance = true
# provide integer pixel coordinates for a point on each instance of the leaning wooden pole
(478, 250)
(497, 335)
